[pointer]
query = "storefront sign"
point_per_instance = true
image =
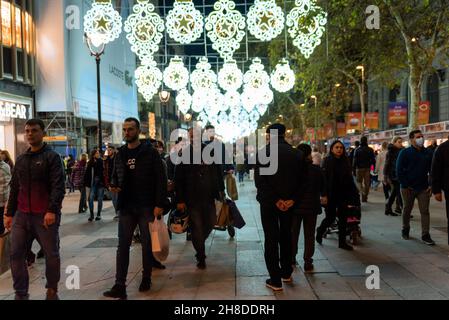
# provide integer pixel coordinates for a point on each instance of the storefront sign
(423, 113)
(397, 114)
(401, 132)
(11, 110)
(372, 121)
(55, 138)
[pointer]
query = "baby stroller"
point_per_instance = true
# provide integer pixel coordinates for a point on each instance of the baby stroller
(353, 229)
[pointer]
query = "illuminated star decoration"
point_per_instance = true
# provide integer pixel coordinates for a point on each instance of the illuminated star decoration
(230, 78)
(226, 28)
(148, 79)
(256, 90)
(265, 20)
(306, 24)
(102, 23)
(203, 78)
(176, 75)
(283, 77)
(184, 23)
(144, 30)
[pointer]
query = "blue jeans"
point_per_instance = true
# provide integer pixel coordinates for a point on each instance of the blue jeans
(114, 196)
(25, 228)
(129, 219)
(97, 189)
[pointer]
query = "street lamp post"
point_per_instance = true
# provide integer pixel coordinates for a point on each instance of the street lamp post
(337, 85)
(97, 54)
(362, 98)
(316, 117)
(164, 97)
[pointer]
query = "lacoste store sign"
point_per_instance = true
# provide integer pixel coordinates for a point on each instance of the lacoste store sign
(11, 110)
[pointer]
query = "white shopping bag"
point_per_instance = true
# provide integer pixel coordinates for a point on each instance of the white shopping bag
(160, 240)
(251, 175)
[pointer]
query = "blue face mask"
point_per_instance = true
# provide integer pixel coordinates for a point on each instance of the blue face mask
(420, 142)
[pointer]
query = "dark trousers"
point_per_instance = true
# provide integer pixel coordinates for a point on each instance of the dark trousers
(202, 221)
(83, 199)
(129, 219)
(96, 190)
(446, 194)
(25, 227)
(331, 215)
(386, 189)
(395, 195)
(2, 226)
(309, 235)
(278, 242)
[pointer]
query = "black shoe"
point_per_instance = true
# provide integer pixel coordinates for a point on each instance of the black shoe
(405, 234)
(428, 240)
(22, 297)
(398, 211)
(319, 236)
(52, 294)
(158, 265)
(345, 246)
(308, 267)
(201, 264)
(40, 254)
(31, 258)
(273, 286)
(98, 218)
(231, 231)
(117, 292)
(390, 213)
(145, 285)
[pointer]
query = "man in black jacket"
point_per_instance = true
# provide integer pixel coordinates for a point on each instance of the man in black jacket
(277, 194)
(440, 175)
(35, 202)
(391, 177)
(197, 186)
(364, 158)
(141, 182)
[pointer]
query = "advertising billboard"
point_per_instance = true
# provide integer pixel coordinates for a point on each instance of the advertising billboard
(397, 114)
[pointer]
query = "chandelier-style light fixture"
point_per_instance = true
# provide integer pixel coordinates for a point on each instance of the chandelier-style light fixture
(226, 28)
(184, 23)
(148, 79)
(203, 78)
(256, 77)
(176, 75)
(183, 100)
(102, 23)
(283, 77)
(145, 30)
(306, 24)
(230, 77)
(265, 20)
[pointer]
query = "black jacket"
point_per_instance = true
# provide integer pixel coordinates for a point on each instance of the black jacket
(440, 169)
(94, 168)
(315, 187)
(197, 183)
(341, 189)
(38, 183)
(364, 158)
(390, 163)
(150, 174)
(287, 182)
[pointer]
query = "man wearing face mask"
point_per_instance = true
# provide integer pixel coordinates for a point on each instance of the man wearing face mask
(413, 168)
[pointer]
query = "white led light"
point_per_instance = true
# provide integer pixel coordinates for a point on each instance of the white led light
(226, 28)
(102, 23)
(184, 23)
(203, 78)
(230, 77)
(283, 77)
(144, 28)
(184, 100)
(306, 24)
(232, 99)
(256, 77)
(176, 75)
(148, 79)
(265, 20)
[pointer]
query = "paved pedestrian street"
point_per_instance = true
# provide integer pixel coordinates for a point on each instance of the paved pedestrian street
(236, 268)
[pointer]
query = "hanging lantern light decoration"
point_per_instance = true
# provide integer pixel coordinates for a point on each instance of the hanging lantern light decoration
(176, 75)
(230, 77)
(148, 79)
(144, 30)
(306, 24)
(265, 20)
(203, 78)
(256, 77)
(226, 28)
(232, 99)
(184, 23)
(283, 77)
(102, 23)
(183, 100)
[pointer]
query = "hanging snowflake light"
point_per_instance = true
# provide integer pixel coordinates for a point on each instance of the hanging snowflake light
(283, 77)
(148, 79)
(256, 77)
(226, 28)
(265, 20)
(102, 23)
(232, 99)
(306, 24)
(198, 101)
(144, 28)
(248, 100)
(184, 23)
(203, 77)
(230, 77)
(176, 75)
(184, 100)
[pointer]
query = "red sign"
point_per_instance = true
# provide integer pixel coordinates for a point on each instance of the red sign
(423, 113)
(372, 121)
(354, 121)
(341, 129)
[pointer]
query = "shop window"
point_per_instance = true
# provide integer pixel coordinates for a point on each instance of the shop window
(18, 21)
(7, 60)
(20, 67)
(6, 24)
